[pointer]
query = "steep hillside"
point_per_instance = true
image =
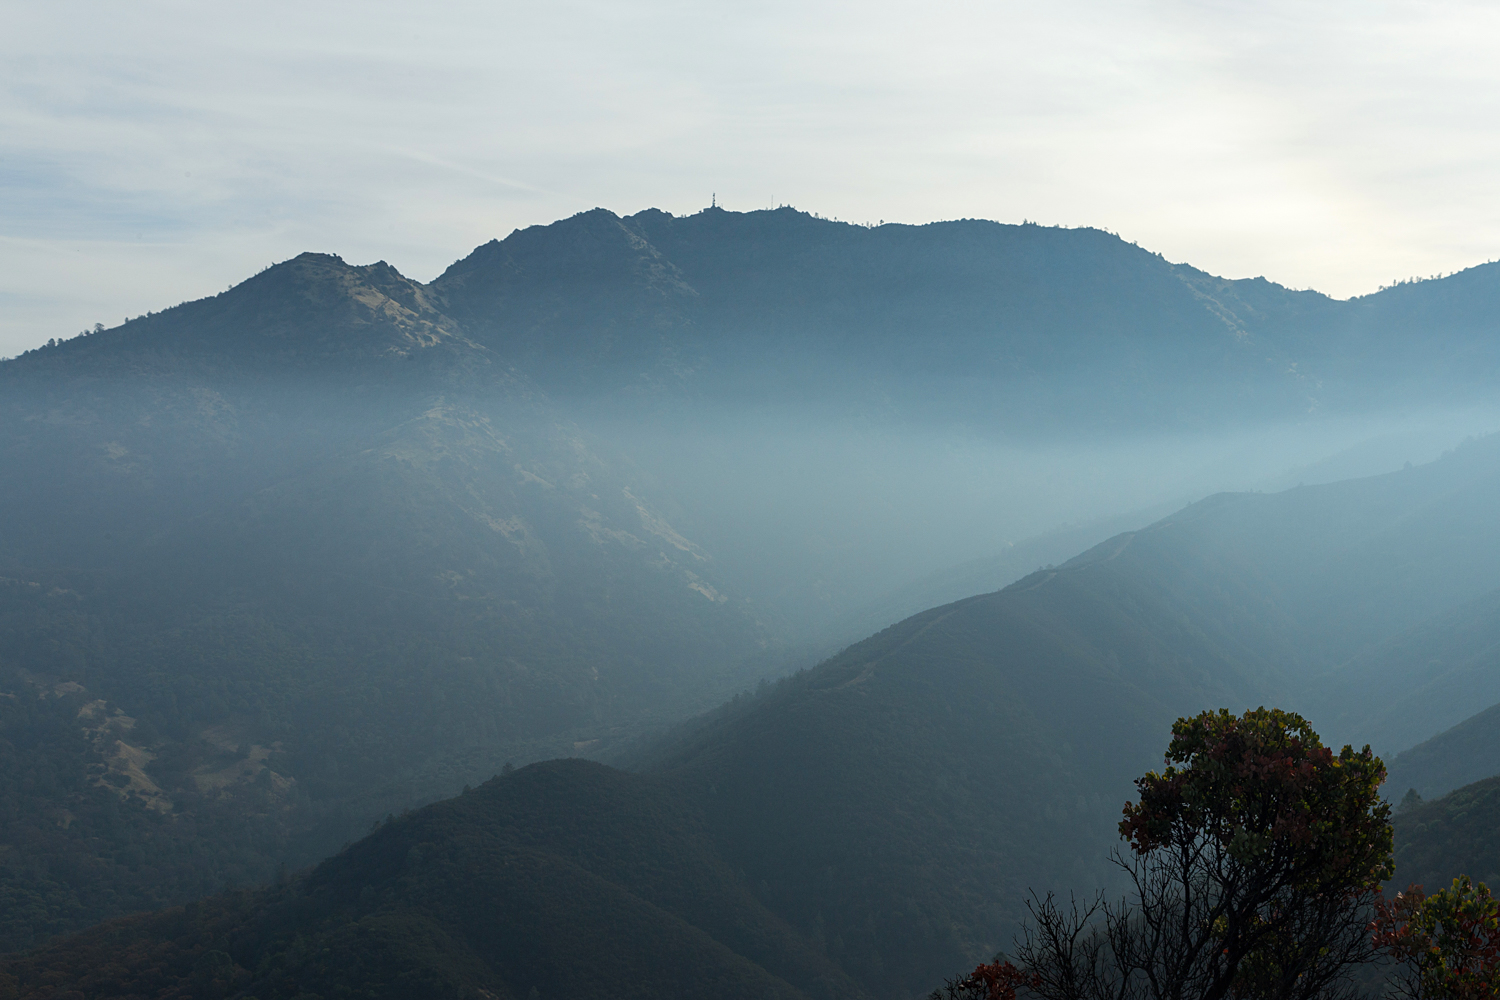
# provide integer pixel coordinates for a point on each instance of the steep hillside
(1455, 757)
(898, 800)
(564, 879)
(881, 816)
(336, 542)
(1458, 834)
(1427, 680)
(289, 558)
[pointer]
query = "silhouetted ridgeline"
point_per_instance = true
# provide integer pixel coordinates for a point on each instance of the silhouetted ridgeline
(888, 809)
(335, 543)
(950, 319)
(775, 304)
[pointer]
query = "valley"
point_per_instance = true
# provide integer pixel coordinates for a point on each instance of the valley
(736, 603)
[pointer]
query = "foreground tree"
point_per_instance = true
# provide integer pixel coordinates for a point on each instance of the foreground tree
(1256, 859)
(1448, 943)
(998, 980)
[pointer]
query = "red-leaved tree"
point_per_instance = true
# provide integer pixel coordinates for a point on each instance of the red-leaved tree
(999, 980)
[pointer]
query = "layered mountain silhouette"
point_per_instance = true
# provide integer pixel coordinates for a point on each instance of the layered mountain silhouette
(1462, 755)
(335, 543)
(889, 809)
(301, 554)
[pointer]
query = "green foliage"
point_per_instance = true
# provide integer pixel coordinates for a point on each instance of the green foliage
(1256, 855)
(1264, 791)
(1448, 943)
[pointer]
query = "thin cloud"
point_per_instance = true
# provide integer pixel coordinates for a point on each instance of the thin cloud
(459, 168)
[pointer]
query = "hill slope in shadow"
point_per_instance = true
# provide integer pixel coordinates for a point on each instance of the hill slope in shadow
(334, 542)
(295, 556)
(883, 815)
(561, 879)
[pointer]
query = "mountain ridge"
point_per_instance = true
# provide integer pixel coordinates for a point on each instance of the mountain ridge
(657, 306)
(336, 542)
(886, 811)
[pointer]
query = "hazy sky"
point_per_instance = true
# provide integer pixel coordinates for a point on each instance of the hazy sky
(155, 151)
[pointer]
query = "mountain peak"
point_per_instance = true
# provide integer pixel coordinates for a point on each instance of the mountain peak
(312, 310)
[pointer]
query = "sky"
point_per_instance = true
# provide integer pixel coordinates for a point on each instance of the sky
(162, 150)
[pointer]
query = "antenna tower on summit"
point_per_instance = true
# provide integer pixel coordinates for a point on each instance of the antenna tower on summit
(714, 202)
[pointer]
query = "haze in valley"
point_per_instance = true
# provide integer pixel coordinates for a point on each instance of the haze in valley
(419, 581)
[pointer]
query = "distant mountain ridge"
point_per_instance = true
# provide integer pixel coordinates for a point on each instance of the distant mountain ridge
(311, 312)
(714, 298)
(652, 302)
(318, 555)
(334, 542)
(883, 813)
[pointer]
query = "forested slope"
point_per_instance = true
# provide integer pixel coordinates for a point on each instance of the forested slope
(284, 560)
(334, 542)
(898, 800)
(884, 814)
(561, 879)
(1457, 834)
